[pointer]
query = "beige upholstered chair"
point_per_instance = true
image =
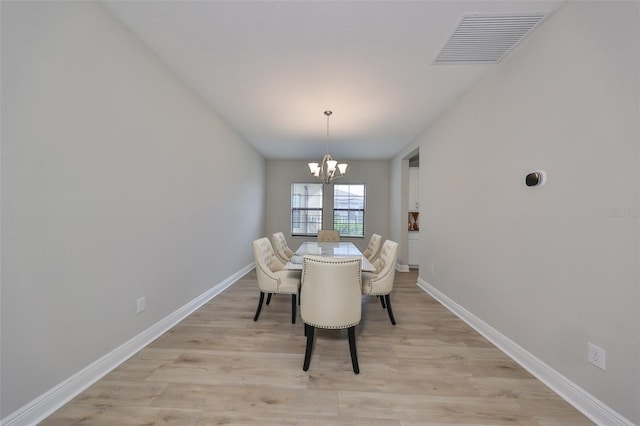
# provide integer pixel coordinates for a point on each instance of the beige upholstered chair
(380, 283)
(325, 235)
(280, 247)
(272, 278)
(330, 297)
(371, 252)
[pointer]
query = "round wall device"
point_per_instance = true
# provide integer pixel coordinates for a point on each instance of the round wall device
(537, 178)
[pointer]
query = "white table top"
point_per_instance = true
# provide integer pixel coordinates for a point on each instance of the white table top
(327, 249)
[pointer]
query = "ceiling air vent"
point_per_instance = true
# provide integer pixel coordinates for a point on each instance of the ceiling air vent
(487, 38)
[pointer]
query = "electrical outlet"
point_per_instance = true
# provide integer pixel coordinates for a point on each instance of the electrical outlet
(596, 356)
(140, 305)
(432, 268)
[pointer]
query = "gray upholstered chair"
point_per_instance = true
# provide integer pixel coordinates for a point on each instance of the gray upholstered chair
(371, 252)
(326, 235)
(330, 297)
(272, 278)
(280, 247)
(380, 283)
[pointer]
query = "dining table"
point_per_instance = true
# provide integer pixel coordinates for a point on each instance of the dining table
(327, 249)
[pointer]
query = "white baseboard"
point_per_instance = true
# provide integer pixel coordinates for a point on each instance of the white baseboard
(402, 268)
(47, 403)
(584, 402)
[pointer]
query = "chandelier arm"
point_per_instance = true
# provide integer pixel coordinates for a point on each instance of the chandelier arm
(326, 175)
(323, 168)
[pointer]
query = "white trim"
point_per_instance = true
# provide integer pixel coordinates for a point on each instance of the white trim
(584, 402)
(50, 401)
(402, 268)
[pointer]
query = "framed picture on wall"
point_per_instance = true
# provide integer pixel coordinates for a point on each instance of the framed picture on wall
(414, 224)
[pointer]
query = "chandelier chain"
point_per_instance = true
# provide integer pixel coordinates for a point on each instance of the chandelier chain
(328, 114)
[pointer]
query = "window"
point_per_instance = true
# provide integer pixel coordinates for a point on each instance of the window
(348, 210)
(306, 208)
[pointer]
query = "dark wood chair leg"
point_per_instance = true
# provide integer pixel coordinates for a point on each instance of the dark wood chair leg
(389, 310)
(255, 318)
(352, 348)
(382, 302)
(269, 298)
(293, 309)
(308, 331)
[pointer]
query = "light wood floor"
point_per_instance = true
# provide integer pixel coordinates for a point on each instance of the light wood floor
(220, 367)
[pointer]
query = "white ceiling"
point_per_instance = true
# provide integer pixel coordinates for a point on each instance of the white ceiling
(271, 68)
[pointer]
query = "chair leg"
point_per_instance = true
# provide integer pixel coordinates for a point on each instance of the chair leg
(308, 331)
(269, 298)
(382, 302)
(389, 310)
(255, 318)
(293, 309)
(352, 348)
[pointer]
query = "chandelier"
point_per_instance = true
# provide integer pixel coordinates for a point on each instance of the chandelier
(328, 169)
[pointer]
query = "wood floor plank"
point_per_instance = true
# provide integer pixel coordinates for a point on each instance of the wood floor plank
(121, 393)
(231, 368)
(109, 415)
(230, 418)
(457, 410)
(144, 363)
(255, 400)
(218, 366)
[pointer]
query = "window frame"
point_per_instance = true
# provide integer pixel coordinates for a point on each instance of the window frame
(362, 211)
(295, 211)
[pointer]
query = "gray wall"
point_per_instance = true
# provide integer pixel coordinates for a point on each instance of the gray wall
(553, 267)
(117, 182)
(282, 173)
